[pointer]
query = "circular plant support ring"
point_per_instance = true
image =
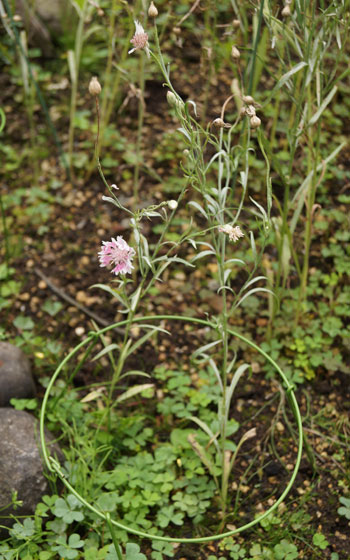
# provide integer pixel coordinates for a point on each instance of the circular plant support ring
(54, 466)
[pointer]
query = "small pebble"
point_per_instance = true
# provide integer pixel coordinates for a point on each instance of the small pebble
(279, 427)
(81, 296)
(84, 261)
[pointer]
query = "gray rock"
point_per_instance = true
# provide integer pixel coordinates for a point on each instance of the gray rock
(21, 464)
(15, 376)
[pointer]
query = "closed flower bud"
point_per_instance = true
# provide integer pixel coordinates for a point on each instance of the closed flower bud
(248, 99)
(152, 11)
(171, 98)
(235, 53)
(172, 204)
(219, 123)
(286, 12)
(242, 112)
(236, 23)
(255, 122)
(94, 86)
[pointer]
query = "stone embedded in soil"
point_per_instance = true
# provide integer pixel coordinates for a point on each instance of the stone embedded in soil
(16, 380)
(21, 464)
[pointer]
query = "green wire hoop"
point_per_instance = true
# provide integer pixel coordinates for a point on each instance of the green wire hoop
(54, 466)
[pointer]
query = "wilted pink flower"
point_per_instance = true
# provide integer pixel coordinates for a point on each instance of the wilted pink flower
(234, 233)
(140, 39)
(119, 253)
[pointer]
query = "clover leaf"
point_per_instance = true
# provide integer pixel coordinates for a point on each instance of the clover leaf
(285, 550)
(344, 510)
(23, 532)
(67, 509)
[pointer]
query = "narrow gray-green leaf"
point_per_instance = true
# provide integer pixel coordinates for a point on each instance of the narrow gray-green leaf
(324, 104)
(236, 377)
(204, 348)
(253, 291)
(201, 255)
(134, 391)
(106, 350)
(144, 338)
(135, 372)
(208, 431)
(199, 208)
(289, 74)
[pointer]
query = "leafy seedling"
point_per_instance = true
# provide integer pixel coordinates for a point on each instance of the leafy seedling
(345, 510)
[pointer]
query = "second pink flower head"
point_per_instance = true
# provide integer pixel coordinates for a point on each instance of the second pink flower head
(117, 252)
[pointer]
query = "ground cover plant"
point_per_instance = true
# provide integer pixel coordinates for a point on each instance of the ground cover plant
(192, 162)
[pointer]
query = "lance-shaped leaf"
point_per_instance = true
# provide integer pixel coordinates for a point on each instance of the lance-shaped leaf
(208, 431)
(106, 350)
(204, 348)
(236, 377)
(202, 454)
(134, 391)
(145, 337)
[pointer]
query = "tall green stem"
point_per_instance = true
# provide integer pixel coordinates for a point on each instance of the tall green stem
(107, 76)
(139, 128)
(74, 68)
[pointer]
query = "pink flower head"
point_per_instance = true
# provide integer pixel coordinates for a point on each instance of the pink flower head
(140, 39)
(119, 253)
(234, 233)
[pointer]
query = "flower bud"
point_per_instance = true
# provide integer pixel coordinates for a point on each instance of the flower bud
(171, 98)
(219, 123)
(94, 86)
(255, 122)
(242, 111)
(152, 11)
(186, 152)
(235, 53)
(172, 204)
(236, 23)
(248, 99)
(286, 12)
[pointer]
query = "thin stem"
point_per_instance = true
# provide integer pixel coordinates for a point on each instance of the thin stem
(140, 120)
(97, 141)
(54, 466)
(114, 537)
(6, 236)
(255, 48)
(107, 75)
(79, 39)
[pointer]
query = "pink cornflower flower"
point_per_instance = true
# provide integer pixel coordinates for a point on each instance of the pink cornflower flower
(119, 253)
(140, 39)
(234, 233)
